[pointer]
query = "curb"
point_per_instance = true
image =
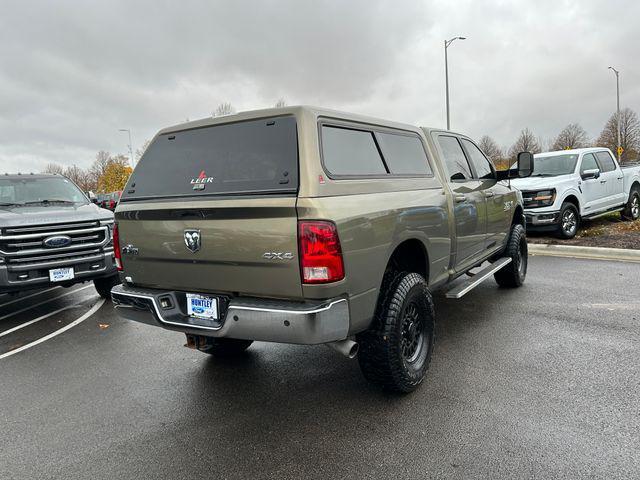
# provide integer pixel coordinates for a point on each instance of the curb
(596, 253)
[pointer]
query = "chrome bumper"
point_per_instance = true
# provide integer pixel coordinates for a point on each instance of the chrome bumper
(242, 318)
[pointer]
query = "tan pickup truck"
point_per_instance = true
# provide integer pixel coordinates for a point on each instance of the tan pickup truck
(310, 226)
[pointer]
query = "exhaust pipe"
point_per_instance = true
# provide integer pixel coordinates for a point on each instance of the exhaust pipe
(347, 347)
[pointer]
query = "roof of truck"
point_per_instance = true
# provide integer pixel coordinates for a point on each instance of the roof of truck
(288, 110)
(573, 151)
(30, 175)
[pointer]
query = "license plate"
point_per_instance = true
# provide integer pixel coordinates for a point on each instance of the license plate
(61, 274)
(199, 306)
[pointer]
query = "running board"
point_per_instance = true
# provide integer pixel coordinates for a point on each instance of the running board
(468, 285)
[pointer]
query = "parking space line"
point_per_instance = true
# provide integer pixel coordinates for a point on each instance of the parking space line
(91, 311)
(28, 296)
(31, 322)
(42, 303)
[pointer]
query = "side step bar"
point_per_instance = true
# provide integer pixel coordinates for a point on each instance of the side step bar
(468, 285)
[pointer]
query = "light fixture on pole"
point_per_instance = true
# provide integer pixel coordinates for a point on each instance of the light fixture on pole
(446, 73)
(619, 149)
(130, 145)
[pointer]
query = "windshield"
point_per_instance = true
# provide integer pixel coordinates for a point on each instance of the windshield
(554, 165)
(39, 190)
(255, 156)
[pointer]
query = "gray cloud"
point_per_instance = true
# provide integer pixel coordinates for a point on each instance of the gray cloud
(73, 73)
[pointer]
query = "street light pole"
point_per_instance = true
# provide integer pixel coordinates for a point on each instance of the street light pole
(446, 74)
(617, 108)
(130, 145)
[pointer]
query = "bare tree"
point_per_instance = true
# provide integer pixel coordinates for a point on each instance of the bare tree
(223, 109)
(629, 134)
(496, 154)
(571, 136)
(526, 142)
(140, 151)
(53, 168)
(490, 148)
(280, 103)
(99, 166)
(80, 177)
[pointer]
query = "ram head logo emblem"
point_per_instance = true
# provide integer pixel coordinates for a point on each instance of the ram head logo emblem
(192, 240)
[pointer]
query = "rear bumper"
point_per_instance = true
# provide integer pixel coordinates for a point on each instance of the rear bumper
(15, 279)
(242, 318)
(545, 220)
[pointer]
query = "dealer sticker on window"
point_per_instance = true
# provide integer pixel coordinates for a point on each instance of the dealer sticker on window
(199, 306)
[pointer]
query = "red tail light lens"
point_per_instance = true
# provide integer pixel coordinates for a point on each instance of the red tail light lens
(112, 204)
(320, 252)
(116, 248)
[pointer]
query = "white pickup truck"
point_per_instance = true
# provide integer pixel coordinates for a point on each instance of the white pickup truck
(570, 185)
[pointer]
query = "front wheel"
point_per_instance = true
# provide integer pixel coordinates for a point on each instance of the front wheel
(514, 273)
(395, 353)
(569, 221)
(632, 209)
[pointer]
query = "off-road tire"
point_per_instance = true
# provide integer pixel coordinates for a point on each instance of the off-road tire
(404, 322)
(221, 347)
(632, 209)
(568, 221)
(105, 284)
(513, 274)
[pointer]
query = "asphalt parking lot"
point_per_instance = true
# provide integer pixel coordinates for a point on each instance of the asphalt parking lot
(540, 382)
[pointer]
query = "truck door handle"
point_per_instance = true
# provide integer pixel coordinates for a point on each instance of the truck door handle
(620, 178)
(460, 198)
(489, 194)
(603, 181)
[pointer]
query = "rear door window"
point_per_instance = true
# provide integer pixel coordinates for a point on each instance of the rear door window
(347, 151)
(404, 154)
(255, 156)
(454, 158)
(606, 162)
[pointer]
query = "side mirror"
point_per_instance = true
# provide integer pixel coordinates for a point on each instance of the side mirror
(591, 173)
(525, 164)
(92, 197)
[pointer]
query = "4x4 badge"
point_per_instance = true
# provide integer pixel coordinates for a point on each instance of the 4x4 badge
(192, 240)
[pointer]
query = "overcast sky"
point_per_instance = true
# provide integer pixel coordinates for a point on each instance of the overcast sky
(73, 73)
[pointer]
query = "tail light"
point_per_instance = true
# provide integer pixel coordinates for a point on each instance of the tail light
(112, 204)
(116, 247)
(320, 252)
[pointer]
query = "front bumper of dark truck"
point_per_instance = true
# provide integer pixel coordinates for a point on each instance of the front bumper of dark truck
(264, 320)
(25, 262)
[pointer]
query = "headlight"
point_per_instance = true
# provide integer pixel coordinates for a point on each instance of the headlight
(541, 198)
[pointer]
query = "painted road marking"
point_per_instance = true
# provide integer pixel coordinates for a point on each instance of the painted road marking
(31, 322)
(93, 310)
(42, 303)
(28, 296)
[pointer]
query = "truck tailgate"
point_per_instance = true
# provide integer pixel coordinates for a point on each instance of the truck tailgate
(246, 246)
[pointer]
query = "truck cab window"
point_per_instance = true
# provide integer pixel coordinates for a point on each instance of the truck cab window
(480, 162)
(589, 163)
(606, 162)
(454, 158)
